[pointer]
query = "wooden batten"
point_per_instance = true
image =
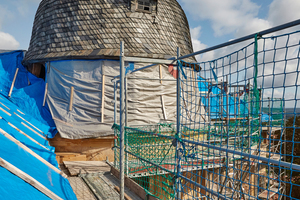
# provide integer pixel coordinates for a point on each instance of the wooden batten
(92, 149)
(45, 94)
(25, 148)
(27, 136)
(160, 74)
(132, 185)
(102, 98)
(162, 96)
(13, 82)
(27, 178)
(189, 188)
(71, 99)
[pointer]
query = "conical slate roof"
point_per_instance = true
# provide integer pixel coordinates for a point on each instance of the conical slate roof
(92, 29)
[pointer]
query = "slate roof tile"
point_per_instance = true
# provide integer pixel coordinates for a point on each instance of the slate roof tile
(83, 28)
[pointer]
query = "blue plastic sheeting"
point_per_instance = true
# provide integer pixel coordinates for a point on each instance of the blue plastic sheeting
(21, 159)
(266, 118)
(12, 187)
(31, 133)
(12, 115)
(215, 103)
(28, 91)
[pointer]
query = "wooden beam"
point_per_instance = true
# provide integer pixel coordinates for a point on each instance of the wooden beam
(161, 96)
(63, 122)
(125, 195)
(5, 111)
(163, 107)
(102, 98)
(27, 121)
(13, 82)
(45, 94)
(71, 99)
(25, 148)
(160, 74)
(193, 75)
(28, 136)
(27, 178)
(4, 106)
(33, 131)
(133, 186)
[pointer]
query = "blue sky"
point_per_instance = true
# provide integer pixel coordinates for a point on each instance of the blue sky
(211, 21)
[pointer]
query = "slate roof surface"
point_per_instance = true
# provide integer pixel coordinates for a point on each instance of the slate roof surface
(93, 29)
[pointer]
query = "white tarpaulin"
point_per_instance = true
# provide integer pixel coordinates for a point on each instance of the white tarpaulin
(149, 101)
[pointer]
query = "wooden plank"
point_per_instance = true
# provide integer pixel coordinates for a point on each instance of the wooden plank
(125, 195)
(203, 181)
(133, 186)
(252, 182)
(5, 106)
(87, 164)
(163, 107)
(61, 157)
(27, 178)
(101, 187)
(28, 121)
(25, 148)
(193, 77)
(33, 130)
(80, 189)
(5, 111)
(33, 140)
(96, 149)
(45, 94)
(63, 122)
(86, 167)
(160, 74)
(13, 82)
(102, 98)
(71, 99)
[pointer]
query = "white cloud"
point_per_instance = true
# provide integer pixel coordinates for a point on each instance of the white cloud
(198, 45)
(8, 42)
(283, 11)
(23, 6)
(237, 17)
(225, 16)
(5, 13)
(252, 26)
(195, 34)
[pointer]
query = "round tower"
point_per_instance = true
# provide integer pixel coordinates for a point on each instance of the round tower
(78, 43)
(93, 29)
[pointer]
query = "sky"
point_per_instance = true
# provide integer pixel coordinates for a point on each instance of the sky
(211, 21)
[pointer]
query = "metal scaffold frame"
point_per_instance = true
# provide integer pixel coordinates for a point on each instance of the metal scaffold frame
(227, 178)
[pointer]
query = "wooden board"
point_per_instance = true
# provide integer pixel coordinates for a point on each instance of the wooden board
(80, 189)
(29, 151)
(103, 186)
(27, 178)
(69, 156)
(133, 186)
(86, 167)
(94, 149)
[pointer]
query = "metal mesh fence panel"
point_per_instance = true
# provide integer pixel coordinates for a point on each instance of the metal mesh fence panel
(238, 132)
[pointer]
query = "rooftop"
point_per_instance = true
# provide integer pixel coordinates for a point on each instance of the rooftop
(93, 29)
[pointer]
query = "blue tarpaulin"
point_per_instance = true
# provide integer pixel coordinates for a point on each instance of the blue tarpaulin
(24, 121)
(218, 100)
(28, 91)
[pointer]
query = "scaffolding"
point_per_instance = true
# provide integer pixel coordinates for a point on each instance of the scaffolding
(229, 140)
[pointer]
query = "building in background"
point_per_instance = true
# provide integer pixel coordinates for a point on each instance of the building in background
(75, 46)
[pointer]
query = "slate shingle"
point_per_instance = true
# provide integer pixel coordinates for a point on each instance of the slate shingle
(83, 28)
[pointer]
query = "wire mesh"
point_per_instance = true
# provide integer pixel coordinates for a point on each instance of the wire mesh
(238, 132)
(243, 95)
